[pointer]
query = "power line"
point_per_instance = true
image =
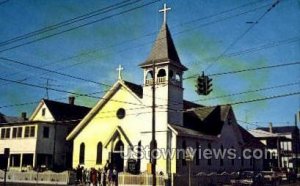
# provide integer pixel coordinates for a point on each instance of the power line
(66, 22)
(244, 33)
(259, 48)
(52, 71)
(247, 70)
(250, 91)
(79, 26)
(249, 101)
(65, 91)
(144, 43)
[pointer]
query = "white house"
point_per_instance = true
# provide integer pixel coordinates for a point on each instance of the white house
(40, 141)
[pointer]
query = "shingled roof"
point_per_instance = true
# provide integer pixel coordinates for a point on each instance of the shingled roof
(281, 129)
(137, 89)
(163, 50)
(10, 119)
(64, 111)
(207, 120)
(249, 140)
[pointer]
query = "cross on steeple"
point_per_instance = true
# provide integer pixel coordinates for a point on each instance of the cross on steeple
(119, 69)
(165, 11)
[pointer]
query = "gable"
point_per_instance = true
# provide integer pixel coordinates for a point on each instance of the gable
(119, 96)
(42, 113)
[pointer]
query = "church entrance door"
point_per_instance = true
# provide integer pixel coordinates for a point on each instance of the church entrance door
(118, 156)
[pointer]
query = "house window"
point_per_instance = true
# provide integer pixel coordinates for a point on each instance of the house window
(32, 131)
(81, 153)
(14, 133)
(46, 132)
(15, 160)
(7, 133)
(29, 131)
(184, 155)
(43, 111)
(2, 133)
(99, 154)
(19, 132)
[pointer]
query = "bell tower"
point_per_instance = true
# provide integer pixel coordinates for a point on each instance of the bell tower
(168, 77)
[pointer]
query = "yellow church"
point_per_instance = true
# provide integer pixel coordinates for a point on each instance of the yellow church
(118, 129)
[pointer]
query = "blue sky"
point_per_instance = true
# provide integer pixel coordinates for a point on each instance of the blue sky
(202, 30)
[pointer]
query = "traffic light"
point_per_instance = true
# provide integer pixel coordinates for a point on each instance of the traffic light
(208, 85)
(204, 85)
(200, 85)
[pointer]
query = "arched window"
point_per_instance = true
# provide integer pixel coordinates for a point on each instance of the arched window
(99, 154)
(221, 159)
(161, 73)
(119, 146)
(183, 158)
(81, 153)
(178, 77)
(149, 75)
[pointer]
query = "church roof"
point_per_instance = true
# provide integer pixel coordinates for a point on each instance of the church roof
(163, 50)
(64, 111)
(207, 120)
(137, 89)
(249, 139)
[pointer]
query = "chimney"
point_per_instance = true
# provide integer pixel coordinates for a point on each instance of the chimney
(71, 100)
(24, 116)
(270, 127)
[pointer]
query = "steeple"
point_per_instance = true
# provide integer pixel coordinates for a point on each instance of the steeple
(163, 50)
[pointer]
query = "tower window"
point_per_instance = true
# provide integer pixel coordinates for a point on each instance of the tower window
(149, 75)
(178, 77)
(161, 73)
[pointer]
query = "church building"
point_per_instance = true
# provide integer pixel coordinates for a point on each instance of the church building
(120, 124)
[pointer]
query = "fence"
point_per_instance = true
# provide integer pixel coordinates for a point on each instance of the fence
(204, 179)
(125, 179)
(47, 177)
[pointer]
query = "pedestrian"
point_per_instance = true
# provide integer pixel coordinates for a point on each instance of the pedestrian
(93, 177)
(115, 176)
(103, 177)
(99, 176)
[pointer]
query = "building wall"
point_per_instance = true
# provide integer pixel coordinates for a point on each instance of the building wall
(103, 125)
(20, 146)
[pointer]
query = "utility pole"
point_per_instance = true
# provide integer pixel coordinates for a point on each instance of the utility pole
(153, 144)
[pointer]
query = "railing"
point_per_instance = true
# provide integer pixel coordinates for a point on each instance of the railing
(47, 177)
(141, 179)
(160, 80)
